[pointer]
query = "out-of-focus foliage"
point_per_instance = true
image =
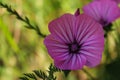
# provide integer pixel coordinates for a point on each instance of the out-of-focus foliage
(38, 74)
(22, 50)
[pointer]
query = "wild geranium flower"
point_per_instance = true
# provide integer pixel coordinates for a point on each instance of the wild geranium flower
(104, 11)
(75, 40)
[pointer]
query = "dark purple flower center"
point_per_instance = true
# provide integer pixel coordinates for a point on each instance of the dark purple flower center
(103, 22)
(74, 48)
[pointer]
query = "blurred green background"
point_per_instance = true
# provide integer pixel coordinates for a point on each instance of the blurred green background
(22, 50)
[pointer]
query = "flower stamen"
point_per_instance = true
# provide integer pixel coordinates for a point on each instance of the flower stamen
(74, 48)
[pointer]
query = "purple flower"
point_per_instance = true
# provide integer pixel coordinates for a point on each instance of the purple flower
(104, 11)
(75, 40)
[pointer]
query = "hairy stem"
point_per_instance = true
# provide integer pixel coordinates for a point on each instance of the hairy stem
(25, 19)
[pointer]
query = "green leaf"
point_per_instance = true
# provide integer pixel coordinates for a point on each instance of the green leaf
(8, 36)
(25, 20)
(23, 78)
(40, 74)
(30, 75)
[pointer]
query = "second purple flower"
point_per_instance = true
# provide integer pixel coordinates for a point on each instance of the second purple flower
(103, 11)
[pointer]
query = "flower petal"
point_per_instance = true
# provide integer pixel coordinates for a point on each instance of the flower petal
(103, 11)
(93, 51)
(87, 27)
(74, 62)
(91, 37)
(55, 48)
(63, 28)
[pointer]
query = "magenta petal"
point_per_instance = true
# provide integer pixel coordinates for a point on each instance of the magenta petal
(114, 12)
(103, 11)
(93, 9)
(56, 49)
(74, 62)
(63, 27)
(118, 1)
(90, 35)
(93, 59)
(87, 27)
(92, 49)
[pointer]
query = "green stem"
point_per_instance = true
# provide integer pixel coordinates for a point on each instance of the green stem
(25, 19)
(66, 72)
